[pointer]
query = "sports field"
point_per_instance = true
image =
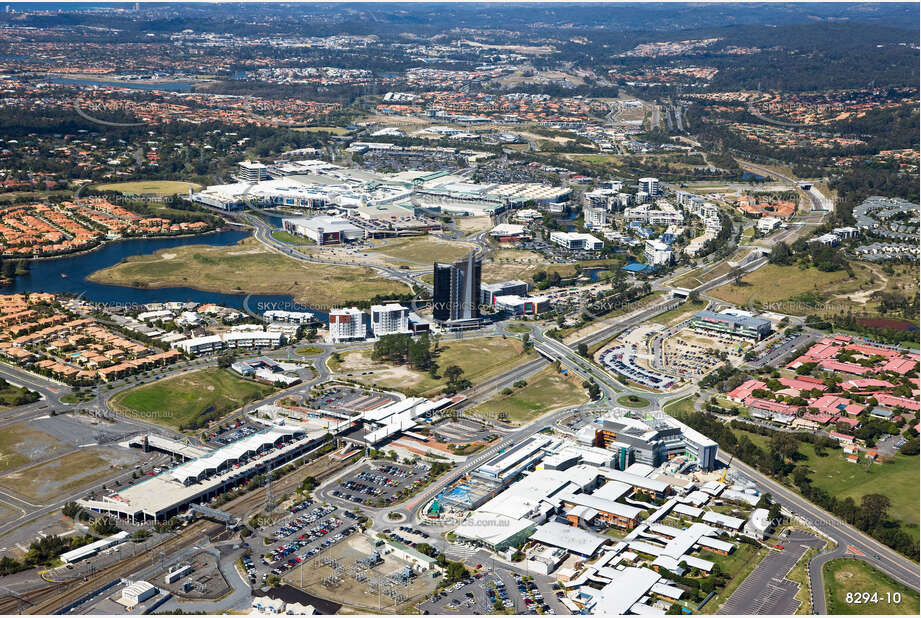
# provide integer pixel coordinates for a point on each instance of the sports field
(190, 399)
(150, 187)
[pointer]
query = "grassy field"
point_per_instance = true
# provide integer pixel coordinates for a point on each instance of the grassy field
(546, 390)
(153, 187)
(517, 327)
(11, 395)
(740, 563)
(507, 264)
(21, 444)
(291, 239)
(66, 474)
(330, 130)
(182, 400)
(248, 268)
(843, 479)
(679, 313)
(847, 575)
(632, 401)
(683, 406)
(424, 249)
(761, 285)
(309, 350)
(479, 358)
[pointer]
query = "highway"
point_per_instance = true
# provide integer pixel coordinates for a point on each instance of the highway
(892, 563)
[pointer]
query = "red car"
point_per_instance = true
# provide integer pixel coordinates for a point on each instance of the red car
(779, 546)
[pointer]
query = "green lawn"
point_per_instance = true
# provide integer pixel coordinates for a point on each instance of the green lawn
(845, 576)
(309, 350)
(191, 399)
(517, 327)
(632, 401)
(684, 405)
(155, 187)
(843, 479)
(290, 238)
(672, 316)
(546, 390)
(740, 563)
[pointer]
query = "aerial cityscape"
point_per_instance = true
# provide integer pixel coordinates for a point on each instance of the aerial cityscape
(448, 308)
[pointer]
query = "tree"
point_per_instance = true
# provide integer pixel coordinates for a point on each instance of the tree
(583, 349)
(910, 448)
(452, 373)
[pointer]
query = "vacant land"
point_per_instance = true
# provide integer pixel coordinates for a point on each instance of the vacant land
(761, 286)
(68, 473)
(546, 390)
(479, 358)
(424, 250)
(150, 187)
(191, 399)
(680, 313)
(507, 264)
(843, 479)
(845, 576)
(248, 268)
(11, 395)
(21, 444)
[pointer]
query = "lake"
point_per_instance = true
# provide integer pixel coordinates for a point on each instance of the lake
(67, 275)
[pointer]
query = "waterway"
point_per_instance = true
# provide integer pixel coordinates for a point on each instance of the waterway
(68, 275)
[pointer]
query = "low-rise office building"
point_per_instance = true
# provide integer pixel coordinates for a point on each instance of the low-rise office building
(575, 241)
(744, 326)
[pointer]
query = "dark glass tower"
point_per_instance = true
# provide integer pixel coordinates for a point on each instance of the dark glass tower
(456, 293)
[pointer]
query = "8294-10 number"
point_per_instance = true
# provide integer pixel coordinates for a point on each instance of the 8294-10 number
(872, 598)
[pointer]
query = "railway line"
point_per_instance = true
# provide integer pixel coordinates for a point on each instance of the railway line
(47, 599)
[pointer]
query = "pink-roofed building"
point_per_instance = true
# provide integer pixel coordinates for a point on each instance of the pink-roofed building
(872, 350)
(804, 383)
(841, 437)
(744, 390)
(862, 383)
(853, 409)
(885, 399)
(800, 360)
(835, 365)
(822, 418)
(771, 406)
(830, 404)
(823, 350)
(853, 423)
(900, 366)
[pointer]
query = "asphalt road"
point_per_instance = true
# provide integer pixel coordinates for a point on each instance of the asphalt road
(875, 553)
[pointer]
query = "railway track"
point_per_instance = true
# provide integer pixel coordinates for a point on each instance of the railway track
(47, 599)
